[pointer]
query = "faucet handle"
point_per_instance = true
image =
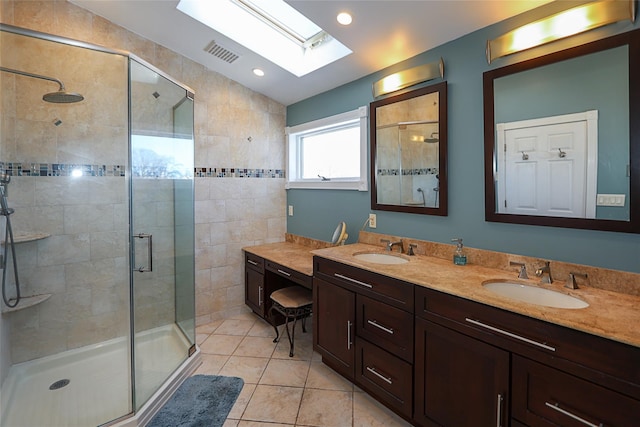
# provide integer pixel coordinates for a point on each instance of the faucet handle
(386, 242)
(523, 269)
(571, 281)
(410, 252)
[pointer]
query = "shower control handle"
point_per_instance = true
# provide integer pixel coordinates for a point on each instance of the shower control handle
(149, 253)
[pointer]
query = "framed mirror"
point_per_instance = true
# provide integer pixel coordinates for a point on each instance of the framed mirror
(409, 151)
(562, 138)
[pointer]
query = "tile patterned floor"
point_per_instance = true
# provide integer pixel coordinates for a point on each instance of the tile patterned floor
(280, 390)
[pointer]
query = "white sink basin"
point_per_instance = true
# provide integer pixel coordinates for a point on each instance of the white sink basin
(534, 295)
(380, 258)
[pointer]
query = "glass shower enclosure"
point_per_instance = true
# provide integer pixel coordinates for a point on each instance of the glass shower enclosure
(100, 195)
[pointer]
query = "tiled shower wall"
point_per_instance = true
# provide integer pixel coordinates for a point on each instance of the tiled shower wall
(234, 128)
(82, 263)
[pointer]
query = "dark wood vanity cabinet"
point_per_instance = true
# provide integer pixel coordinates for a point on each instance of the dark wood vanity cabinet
(363, 328)
(262, 277)
(441, 360)
(502, 368)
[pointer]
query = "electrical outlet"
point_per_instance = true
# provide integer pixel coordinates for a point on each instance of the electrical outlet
(290, 210)
(373, 222)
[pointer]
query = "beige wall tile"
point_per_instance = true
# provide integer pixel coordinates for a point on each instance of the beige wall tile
(227, 215)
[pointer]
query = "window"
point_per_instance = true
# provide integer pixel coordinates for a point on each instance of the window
(329, 153)
(272, 29)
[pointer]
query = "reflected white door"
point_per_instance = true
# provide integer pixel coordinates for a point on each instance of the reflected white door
(548, 166)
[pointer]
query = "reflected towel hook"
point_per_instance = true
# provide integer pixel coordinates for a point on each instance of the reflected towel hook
(561, 153)
(525, 156)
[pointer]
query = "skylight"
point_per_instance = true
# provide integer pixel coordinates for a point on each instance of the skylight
(272, 29)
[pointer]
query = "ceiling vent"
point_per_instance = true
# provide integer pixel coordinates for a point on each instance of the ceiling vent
(220, 52)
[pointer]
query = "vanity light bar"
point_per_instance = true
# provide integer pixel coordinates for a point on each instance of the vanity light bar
(405, 78)
(561, 25)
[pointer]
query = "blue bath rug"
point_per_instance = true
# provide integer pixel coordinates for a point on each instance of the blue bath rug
(202, 400)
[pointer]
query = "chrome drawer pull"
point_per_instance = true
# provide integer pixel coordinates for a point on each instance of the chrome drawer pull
(252, 262)
(349, 343)
(382, 377)
(499, 411)
(259, 296)
(284, 272)
(509, 334)
(377, 325)
(357, 282)
(555, 407)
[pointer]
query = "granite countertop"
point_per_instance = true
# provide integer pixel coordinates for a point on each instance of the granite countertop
(292, 255)
(610, 314)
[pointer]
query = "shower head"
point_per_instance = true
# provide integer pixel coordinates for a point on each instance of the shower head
(62, 97)
(59, 97)
(433, 138)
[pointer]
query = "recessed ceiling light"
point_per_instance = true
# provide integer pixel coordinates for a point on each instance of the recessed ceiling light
(344, 18)
(258, 72)
(272, 29)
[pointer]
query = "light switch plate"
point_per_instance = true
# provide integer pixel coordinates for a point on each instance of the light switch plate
(610, 200)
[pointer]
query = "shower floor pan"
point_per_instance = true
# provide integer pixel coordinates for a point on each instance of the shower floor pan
(36, 393)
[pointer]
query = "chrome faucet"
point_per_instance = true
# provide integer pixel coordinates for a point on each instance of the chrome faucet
(391, 244)
(540, 272)
(523, 269)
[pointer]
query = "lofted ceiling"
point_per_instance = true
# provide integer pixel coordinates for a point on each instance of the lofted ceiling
(382, 33)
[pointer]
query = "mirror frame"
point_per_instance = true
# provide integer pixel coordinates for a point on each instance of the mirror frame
(632, 40)
(441, 210)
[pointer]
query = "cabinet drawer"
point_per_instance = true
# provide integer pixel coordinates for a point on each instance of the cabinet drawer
(288, 273)
(254, 262)
(385, 376)
(579, 353)
(385, 326)
(383, 288)
(546, 396)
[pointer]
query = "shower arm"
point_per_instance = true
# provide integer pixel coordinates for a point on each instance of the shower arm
(35, 76)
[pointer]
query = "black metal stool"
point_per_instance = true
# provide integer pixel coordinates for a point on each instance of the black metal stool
(293, 303)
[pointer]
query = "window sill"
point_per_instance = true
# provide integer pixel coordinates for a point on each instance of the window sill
(328, 185)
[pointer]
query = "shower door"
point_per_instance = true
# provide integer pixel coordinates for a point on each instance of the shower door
(162, 228)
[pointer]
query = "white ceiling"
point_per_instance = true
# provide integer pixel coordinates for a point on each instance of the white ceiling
(382, 33)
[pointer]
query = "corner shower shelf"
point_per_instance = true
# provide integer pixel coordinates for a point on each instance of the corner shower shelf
(30, 237)
(26, 302)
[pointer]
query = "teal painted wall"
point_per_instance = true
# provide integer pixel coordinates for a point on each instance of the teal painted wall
(317, 212)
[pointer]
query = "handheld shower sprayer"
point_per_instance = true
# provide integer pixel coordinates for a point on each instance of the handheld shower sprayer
(6, 211)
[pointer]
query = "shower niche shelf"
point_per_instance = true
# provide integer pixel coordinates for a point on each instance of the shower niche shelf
(30, 237)
(26, 302)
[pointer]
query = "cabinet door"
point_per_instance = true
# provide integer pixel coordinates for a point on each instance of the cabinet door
(254, 290)
(333, 326)
(543, 396)
(460, 381)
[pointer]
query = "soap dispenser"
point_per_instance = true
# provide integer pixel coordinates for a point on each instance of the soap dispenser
(459, 257)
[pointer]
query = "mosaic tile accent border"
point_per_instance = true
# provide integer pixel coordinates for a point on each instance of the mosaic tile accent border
(68, 169)
(424, 171)
(238, 173)
(59, 169)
